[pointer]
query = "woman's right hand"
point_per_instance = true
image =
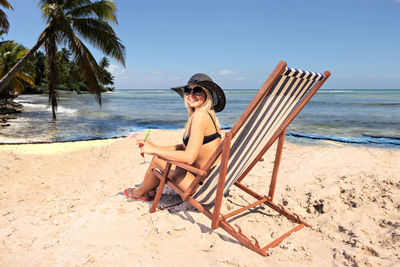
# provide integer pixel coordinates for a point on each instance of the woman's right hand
(146, 147)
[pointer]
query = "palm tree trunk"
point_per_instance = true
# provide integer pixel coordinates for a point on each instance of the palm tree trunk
(7, 78)
(51, 50)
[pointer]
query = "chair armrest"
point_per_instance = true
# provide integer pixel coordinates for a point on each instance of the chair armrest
(186, 166)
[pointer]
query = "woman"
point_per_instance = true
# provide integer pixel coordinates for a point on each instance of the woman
(202, 136)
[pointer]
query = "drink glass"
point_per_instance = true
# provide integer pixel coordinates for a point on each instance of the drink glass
(142, 154)
(140, 146)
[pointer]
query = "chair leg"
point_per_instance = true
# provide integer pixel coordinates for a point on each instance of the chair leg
(252, 243)
(244, 240)
(158, 196)
(160, 188)
(276, 165)
(221, 181)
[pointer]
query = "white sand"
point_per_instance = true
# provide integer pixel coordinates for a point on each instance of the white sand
(61, 204)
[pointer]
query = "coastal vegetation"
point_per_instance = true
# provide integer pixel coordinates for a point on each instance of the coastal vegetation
(72, 67)
(68, 75)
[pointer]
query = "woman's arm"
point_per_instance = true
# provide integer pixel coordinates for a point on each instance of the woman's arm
(189, 155)
(173, 147)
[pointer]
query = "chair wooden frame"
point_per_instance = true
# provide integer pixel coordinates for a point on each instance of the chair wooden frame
(218, 219)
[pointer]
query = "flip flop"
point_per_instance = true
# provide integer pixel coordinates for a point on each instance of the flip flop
(128, 193)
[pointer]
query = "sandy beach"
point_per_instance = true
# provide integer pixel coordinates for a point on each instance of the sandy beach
(62, 205)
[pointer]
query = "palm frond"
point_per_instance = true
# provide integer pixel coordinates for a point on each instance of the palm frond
(46, 11)
(22, 53)
(43, 3)
(101, 35)
(53, 13)
(104, 63)
(25, 77)
(6, 4)
(104, 10)
(18, 86)
(20, 81)
(4, 24)
(68, 35)
(72, 4)
(90, 70)
(86, 62)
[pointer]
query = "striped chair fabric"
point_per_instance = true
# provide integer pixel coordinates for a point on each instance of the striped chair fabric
(259, 127)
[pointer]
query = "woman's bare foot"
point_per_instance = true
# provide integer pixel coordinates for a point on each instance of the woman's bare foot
(133, 193)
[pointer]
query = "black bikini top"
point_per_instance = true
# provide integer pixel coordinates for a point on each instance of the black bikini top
(208, 138)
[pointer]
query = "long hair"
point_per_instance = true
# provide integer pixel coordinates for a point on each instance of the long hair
(207, 106)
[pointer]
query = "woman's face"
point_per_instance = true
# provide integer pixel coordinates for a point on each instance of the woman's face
(195, 97)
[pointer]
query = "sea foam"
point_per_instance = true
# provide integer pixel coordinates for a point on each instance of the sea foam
(61, 109)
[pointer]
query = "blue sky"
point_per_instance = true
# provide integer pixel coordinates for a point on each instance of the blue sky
(239, 42)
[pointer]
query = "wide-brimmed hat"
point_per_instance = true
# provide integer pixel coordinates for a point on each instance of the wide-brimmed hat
(205, 81)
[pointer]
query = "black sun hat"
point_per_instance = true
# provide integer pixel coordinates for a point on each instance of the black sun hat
(205, 81)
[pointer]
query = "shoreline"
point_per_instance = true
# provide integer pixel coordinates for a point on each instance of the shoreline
(299, 139)
(56, 142)
(62, 204)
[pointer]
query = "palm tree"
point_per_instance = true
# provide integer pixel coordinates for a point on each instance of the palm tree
(39, 62)
(67, 20)
(106, 78)
(4, 25)
(11, 53)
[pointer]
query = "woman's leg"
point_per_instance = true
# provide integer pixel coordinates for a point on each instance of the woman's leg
(150, 181)
(183, 182)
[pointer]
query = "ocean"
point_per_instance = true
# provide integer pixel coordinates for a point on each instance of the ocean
(363, 117)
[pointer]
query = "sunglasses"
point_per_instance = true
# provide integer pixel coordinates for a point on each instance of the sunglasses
(197, 91)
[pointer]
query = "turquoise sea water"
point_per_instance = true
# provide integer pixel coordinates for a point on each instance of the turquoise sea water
(366, 117)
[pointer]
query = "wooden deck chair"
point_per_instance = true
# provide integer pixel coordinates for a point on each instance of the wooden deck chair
(276, 104)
